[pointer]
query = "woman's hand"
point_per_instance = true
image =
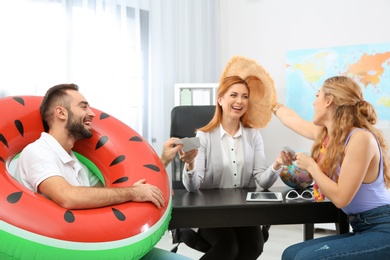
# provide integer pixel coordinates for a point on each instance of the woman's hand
(304, 161)
(188, 158)
(284, 158)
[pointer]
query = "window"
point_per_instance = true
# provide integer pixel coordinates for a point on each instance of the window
(191, 94)
(101, 45)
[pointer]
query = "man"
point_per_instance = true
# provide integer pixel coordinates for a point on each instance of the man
(49, 167)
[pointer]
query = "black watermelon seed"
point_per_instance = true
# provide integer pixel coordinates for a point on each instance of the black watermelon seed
(1, 159)
(68, 216)
(119, 215)
(121, 180)
(14, 197)
(3, 140)
(136, 139)
(152, 167)
(118, 159)
(104, 116)
(101, 142)
(19, 126)
(19, 99)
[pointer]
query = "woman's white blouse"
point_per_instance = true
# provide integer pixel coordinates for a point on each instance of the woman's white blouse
(224, 161)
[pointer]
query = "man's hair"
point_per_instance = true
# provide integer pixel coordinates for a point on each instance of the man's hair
(56, 95)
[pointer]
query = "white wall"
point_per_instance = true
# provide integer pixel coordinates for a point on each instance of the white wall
(266, 29)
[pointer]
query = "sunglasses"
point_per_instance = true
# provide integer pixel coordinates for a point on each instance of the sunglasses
(294, 195)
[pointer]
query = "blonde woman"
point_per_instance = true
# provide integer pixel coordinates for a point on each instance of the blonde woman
(350, 166)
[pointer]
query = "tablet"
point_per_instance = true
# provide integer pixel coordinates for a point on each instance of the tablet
(264, 196)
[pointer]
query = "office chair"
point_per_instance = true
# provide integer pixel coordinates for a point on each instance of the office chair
(184, 121)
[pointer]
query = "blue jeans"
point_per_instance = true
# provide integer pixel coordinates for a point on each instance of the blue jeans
(160, 254)
(370, 240)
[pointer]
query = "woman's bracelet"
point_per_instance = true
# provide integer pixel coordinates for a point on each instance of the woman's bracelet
(276, 107)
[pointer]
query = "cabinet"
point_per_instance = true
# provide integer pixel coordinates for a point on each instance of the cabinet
(190, 94)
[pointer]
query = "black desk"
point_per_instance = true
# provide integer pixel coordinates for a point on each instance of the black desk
(229, 208)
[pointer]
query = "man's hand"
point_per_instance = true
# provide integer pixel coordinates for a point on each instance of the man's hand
(143, 191)
(169, 151)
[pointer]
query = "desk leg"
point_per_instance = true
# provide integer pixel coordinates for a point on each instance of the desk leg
(343, 226)
(308, 231)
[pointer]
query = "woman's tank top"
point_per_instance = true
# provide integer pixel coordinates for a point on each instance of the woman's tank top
(370, 195)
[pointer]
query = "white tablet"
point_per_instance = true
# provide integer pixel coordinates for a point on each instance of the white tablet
(264, 196)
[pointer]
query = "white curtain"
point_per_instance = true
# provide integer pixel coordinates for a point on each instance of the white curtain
(96, 44)
(185, 40)
(126, 55)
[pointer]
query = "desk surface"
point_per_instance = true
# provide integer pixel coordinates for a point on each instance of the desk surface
(229, 208)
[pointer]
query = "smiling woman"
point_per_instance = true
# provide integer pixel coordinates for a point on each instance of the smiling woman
(118, 155)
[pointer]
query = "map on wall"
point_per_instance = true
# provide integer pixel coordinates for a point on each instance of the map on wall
(368, 64)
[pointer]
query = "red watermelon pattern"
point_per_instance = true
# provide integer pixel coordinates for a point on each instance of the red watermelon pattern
(120, 153)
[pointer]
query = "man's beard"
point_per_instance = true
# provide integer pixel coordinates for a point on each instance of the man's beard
(76, 129)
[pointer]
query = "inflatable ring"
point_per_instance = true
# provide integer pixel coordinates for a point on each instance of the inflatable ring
(33, 227)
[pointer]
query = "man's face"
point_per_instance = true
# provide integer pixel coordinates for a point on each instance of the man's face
(80, 115)
(76, 127)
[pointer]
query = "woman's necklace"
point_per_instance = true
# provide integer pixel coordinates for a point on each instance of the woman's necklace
(317, 193)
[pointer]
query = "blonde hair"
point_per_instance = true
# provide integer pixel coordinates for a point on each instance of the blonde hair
(350, 110)
(256, 92)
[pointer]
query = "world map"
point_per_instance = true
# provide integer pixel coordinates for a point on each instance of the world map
(368, 64)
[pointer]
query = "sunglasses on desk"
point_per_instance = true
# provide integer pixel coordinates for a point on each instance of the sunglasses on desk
(294, 195)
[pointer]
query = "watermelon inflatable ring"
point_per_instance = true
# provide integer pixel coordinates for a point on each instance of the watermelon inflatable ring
(33, 227)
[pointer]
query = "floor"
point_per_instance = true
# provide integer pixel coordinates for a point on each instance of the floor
(280, 237)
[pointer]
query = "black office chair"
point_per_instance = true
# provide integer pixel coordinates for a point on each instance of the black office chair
(184, 122)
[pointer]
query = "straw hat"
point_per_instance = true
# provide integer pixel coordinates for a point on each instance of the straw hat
(262, 92)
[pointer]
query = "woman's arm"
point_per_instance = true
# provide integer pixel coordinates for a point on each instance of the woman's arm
(266, 176)
(296, 123)
(194, 168)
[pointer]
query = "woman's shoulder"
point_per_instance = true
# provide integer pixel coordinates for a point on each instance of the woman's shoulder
(252, 134)
(251, 130)
(360, 133)
(208, 134)
(216, 129)
(360, 136)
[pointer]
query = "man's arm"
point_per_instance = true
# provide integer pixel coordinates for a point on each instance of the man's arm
(67, 196)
